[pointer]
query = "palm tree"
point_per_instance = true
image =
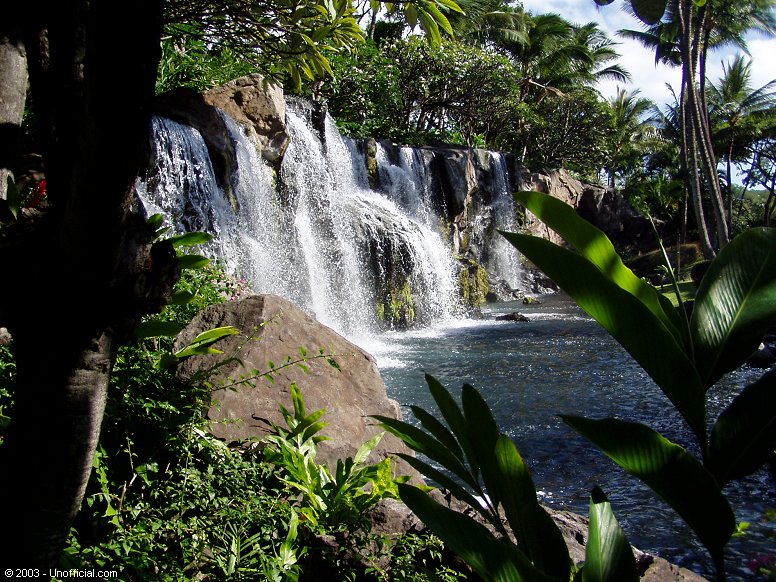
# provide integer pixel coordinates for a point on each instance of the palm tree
(631, 124)
(739, 114)
(684, 36)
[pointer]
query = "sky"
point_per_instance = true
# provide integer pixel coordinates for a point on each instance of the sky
(640, 62)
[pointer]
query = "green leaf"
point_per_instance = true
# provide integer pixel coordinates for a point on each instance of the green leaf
(669, 470)
(13, 197)
(423, 443)
(608, 555)
(596, 247)
(635, 326)
(450, 412)
(483, 434)
(199, 345)
(438, 430)
(182, 298)
(439, 18)
(493, 560)
(536, 532)
(744, 436)
(735, 304)
(411, 15)
(451, 4)
(157, 328)
(649, 11)
(189, 239)
(193, 261)
(444, 481)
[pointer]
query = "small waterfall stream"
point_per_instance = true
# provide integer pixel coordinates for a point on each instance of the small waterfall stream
(313, 230)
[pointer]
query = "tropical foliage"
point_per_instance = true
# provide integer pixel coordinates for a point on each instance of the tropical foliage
(685, 351)
(509, 535)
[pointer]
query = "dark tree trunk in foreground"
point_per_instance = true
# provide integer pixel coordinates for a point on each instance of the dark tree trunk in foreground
(13, 88)
(77, 277)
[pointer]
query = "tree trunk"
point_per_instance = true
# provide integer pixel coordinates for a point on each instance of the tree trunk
(689, 149)
(13, 90)
(87, 268)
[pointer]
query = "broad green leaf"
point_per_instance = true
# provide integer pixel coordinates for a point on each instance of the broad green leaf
(216, 333)
(439, 18)
(193, 261)
(199, 345)
(422, 442)
(744, 436)
(735, 304)
(608, 555)
(411, 15)
(493, 560)
(446, 482)
(649, 11)
(536, 532)
(483, 433)
(630, 322)
(298, 401)
(430, 27)
(450, 412)
(13, 197)
(595, 246)
(438, 430)
(182, 298)
(190, 239)
(365, 449)
(157, 328)
(669, 470)
(451, 4)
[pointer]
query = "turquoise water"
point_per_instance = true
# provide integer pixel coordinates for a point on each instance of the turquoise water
(560, 362)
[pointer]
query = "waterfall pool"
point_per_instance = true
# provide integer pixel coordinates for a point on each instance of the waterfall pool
(561, 361)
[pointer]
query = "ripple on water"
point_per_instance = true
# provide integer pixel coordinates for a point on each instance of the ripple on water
(563, 362)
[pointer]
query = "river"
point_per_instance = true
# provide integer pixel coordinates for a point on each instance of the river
(561, 361)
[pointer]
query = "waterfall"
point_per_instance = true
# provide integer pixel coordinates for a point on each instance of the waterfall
(315, 232)
(504, 259)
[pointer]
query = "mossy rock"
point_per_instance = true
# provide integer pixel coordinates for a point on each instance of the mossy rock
(473, 284)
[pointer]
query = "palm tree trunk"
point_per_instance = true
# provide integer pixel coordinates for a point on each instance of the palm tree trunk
(703, 126)
(689, 149)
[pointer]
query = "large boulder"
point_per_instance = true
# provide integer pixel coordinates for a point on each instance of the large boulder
(258, 106)
(273, 330)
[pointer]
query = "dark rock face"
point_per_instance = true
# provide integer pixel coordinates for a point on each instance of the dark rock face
(274, 330)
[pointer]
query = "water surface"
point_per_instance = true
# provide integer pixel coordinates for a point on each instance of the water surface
(563, 362)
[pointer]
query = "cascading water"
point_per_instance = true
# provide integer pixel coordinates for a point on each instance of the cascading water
(503, 258)
(320, 237)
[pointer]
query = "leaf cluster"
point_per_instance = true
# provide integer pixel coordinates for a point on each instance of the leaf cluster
(513, 536)
(684, 353)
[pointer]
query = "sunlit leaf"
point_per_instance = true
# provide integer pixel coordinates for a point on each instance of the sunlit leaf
(669, 470)
(189, 239)
(493, 560)
(608, 555)
(193, 261)
(535, 531)
(735, 304)
(595, 246)
(628, 319)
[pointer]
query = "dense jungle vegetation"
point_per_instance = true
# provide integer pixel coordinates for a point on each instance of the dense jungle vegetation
(132, 481)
